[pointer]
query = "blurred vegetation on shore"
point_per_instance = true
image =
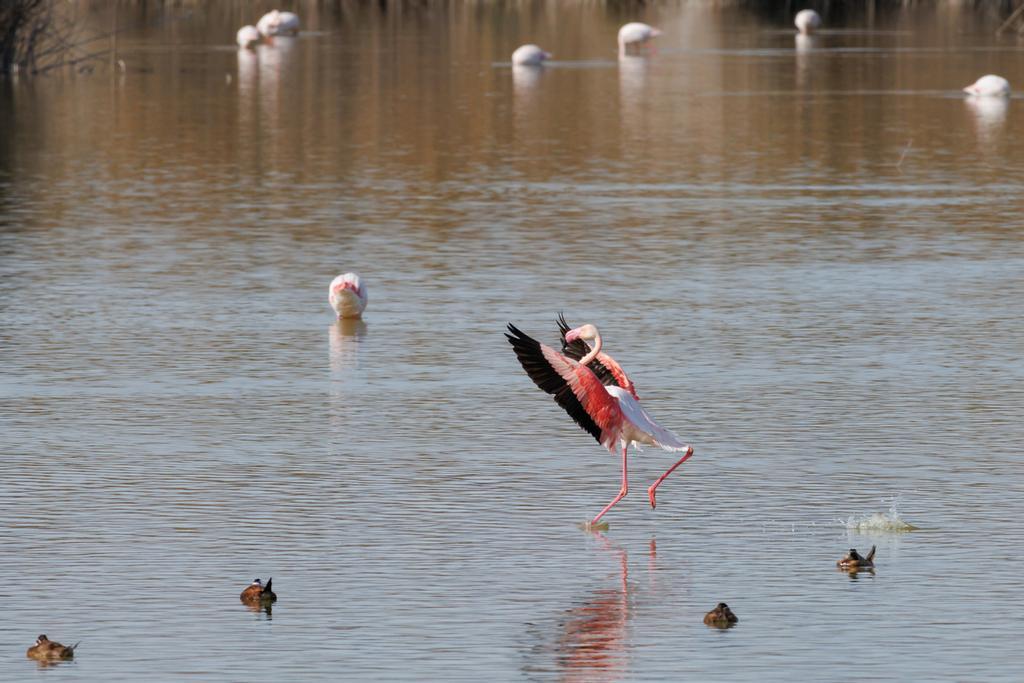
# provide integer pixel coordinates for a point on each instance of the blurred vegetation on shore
(37, 36)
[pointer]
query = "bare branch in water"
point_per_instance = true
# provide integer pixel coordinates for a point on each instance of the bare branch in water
(37, 36)
(24, 24)
(904, 155)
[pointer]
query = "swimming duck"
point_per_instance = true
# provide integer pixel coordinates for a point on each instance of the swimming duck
(258, 594)
(46, 649)
(854, 560)
(721, 616)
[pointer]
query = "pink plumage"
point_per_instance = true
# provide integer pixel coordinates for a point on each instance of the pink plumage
(597, 394)
(588, 390)
(606, 367)
(347, 296)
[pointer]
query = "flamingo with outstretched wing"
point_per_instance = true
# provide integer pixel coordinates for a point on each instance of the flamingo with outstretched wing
(607, 410)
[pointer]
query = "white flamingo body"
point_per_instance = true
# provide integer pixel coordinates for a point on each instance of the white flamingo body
(635, 34)
(278, 23)
(348, 296)
(639, 428)
(529, 55)
(989, 86)
(248, 36)
(807, 21)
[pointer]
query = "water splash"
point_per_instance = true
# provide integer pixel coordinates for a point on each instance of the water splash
(880, 521)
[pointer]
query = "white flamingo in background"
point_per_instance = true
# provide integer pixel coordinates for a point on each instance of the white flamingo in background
(635, 35)
(989, 86)
(603, 402)
(807, 21)
(248, 36)
(278, 23)
(348, 296)
(529, 55)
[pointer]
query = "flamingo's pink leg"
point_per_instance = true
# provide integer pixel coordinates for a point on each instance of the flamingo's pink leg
(654, 486)
(622, 492)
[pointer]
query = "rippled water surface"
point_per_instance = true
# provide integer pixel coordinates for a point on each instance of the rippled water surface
(808, 257)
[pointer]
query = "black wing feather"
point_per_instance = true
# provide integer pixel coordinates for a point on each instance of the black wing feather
(579, 348)
(544, 376)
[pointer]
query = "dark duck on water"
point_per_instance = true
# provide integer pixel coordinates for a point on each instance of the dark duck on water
(258, 594)
(45, 649)
(721, 616)
(855, 561)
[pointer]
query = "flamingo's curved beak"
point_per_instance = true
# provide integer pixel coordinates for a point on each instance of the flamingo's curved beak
(571, 336)
(346, 285)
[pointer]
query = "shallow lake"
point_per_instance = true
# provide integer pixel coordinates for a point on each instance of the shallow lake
(808, 256)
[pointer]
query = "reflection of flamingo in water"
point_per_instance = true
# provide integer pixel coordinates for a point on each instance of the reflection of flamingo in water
(265, 71)
(525, 78)
(632, 81)
(593, 642)
(345, 336)
(805, 58)
(591, 638)
(804, 42)
(989, 116)
(597, 394)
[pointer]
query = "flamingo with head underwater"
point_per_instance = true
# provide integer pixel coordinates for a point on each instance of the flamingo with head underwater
(347, 296)
(807, 21)
(635, 35)
(598, 395)
(278, 23)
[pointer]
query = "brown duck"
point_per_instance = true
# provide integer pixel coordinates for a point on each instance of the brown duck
(721, 616)
(258, 594)
(854, 560)
(48, 650)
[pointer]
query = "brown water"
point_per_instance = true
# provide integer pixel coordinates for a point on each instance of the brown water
(809, 260)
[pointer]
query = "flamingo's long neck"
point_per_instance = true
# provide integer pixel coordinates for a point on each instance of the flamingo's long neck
(594, 351)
